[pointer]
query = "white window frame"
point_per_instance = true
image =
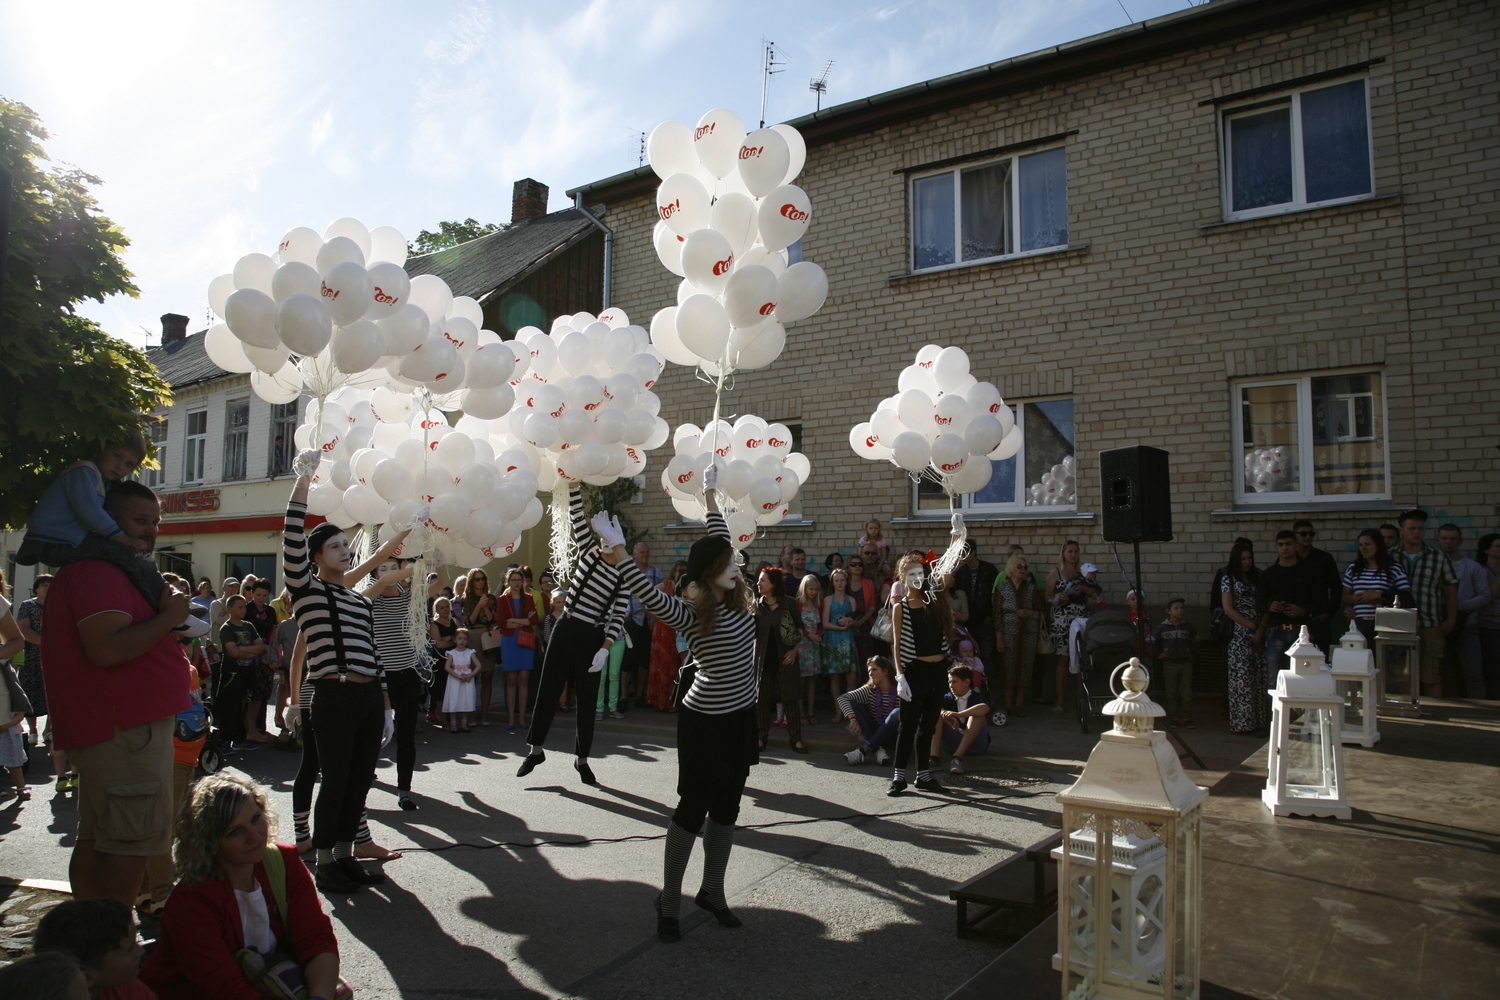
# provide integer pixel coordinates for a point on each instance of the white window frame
(956, 172)
(157, 433)
(1306, 450)
(1299, 201)
(230, 433)
(194, 445)
(287, 425)
(1018, 506)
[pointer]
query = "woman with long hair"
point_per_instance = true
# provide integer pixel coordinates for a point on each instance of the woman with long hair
(519, 620)
(482, 619)
(1070, 596)
(866, 594)
(921, 623)
(873, 713)
(716, 723)
(237, 889)
(441, 632)
(665, 660)
(1018, 626)
(1249, 710)
(778, 630)
(837, 656)
(810, 648)
(1371, 580)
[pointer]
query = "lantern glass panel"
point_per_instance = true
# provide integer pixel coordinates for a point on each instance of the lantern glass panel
(1353, 693)
(1308, 752)
(1398, 663)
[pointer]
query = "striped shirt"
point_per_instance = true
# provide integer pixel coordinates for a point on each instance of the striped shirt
(595, 594)
(725, 679)
(909, 647)
(391, 634)
(339, 623)
(1370, 578)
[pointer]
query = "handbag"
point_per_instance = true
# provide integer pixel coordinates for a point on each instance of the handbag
(526, 638)
(277, 974)
(882, 627)
(489, 639)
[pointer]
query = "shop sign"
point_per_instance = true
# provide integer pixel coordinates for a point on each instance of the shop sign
(190, 501)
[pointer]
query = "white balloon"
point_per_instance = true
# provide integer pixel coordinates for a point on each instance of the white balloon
(784, 216)
(733, 217)
(219, 290)
(764, 159)
(779, 440)
(668, 248)
(393, 480)
(339, 250)
(737, 479)
(683, 204)
(707, 259)
(389, 289)
(803, 290)
(448, 512)
(269, 360)
(751, 295)
(352, 229)
(390, 407)
(950, 368)
(796, 151)
(665, 338)
(347, 291)
(251, 316)
(949, 453)
(490, 366)
(866, 443)
(574, 353)
(365, 505)
(799, 464)
(983, 434)
(254, 270)
(226, 350)
(323, 499)
(914, 408)
(431, 294)
(387, 245)
(1008, 447)
(669, 150)
(742, 528)
(758, 255)
(468, 308)
(703, 326)
(281, 387)
(592, 458)
(455, 450)
(985, 398)
(910, 450)
(300, 244)
(541, 430)
(717, 141)
(951, 414)
(462, 334)
(303, 325)
(973, 477)
(294, 278)
(639, 426)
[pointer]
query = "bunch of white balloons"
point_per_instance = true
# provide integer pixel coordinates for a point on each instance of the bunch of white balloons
(1057, 486)
(1267, 469)
(758, 476)
(583, 398)
(942, 421)
(728, 211)
(337, 310)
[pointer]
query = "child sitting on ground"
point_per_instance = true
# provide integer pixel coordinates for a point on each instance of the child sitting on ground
(70, 523)
(962, 727)
(100, 935)
(459, 700)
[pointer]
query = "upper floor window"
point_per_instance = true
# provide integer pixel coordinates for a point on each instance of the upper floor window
(283, 426)
(1009, 206)
(236, 437)
(1041, 475)
(194, 446)
(1312, 438)
(157, 477)
(1309, 147)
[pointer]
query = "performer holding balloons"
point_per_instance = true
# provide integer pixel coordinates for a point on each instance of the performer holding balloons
(716, 725)
(921, 622)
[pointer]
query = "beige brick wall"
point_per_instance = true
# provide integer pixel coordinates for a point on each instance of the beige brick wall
(1146, 327)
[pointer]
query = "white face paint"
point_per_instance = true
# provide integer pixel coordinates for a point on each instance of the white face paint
(727, 579)
(913, 578)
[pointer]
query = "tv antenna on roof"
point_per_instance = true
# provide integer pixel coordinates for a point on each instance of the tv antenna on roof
(770, 66)
(639, 138)
(820, 85)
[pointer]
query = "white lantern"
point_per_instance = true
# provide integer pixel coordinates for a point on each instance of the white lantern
(1354, 677)
(1305, 769)
(1134, 806)
(1398, 657)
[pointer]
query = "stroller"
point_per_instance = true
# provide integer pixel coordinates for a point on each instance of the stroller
(1108, 640)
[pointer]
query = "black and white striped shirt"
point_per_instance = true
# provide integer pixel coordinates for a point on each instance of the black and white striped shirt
(392, 636)
(339, 623)
(725, 680)
(911, 647)
(595, 594)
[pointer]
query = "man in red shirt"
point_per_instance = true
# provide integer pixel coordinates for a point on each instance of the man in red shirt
(116, 678)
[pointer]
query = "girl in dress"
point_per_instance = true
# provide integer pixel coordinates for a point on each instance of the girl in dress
(441, 631)
(459, 699)
(838, 635)
(519, 621)
(810, 650)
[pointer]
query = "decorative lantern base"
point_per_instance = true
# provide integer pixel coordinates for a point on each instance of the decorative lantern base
(1348, 737)
(1303, 807)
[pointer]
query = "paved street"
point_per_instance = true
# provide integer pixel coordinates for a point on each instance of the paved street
(843, 891)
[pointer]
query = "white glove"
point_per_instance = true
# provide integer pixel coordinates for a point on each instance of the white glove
(600, 659)
(903, 689)
(420, 517)
(307, 462)
(390, 728)
(610, 532)
(293, 716)
(711, 477)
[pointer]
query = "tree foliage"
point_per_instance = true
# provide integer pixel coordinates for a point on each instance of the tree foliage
(68, 388)
(450, 234)
(615, 498)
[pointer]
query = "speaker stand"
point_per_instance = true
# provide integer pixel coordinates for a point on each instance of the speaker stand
(1143, 639)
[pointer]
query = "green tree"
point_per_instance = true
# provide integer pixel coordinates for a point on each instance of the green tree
(615, 498)
(450, 234)
(68, 387)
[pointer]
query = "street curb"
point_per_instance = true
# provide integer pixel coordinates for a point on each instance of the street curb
(47, 884)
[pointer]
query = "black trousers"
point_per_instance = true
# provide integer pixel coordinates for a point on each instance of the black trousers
(232, 698)
(569, 656)
(307, 771)
(637, 658)
(348, 719)
(919, 717)
(405, 690)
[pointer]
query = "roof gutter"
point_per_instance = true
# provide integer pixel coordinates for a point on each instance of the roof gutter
(609, 246)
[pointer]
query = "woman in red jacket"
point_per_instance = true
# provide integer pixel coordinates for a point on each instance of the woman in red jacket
(226, 901)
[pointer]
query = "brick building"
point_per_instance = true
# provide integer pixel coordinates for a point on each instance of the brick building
(1249, 224)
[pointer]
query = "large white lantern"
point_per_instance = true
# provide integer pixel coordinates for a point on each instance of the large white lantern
(1305, 769)
(1130, 868)
(1398, 649)
(1354, 680)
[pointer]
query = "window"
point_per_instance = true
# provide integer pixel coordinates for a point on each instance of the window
(157, 477)
(236, 437)
(1041, 475)
(283, 426)
(1315, 438)
(193, 447)
(1010, 206)
(1310, 147)
(261, 565)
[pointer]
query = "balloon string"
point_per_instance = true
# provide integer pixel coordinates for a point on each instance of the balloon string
(713, 448)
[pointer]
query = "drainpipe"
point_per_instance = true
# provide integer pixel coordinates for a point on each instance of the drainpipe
(609, 245)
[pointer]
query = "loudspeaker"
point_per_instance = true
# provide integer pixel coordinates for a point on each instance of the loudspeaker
(1137, 495)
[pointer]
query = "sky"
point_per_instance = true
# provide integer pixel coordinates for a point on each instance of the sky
(215, 127)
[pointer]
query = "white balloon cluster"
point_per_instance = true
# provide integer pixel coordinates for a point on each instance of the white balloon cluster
(758, 476)
(339, 310)
(942, 421)
(1268, 469)
(583, 398)
(1058, 486)
(385, 458)
(728, 211)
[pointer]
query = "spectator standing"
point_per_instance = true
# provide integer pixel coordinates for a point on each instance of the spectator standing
(1373, 580)
(637, 662)
(116, 679)
(234, 703)
(866, 593)
(1249, 707)
(1391, 535)
(778, 630)
(1434, 585)
(1069, 595)
(1172, 649)
(484, 639)
(1284, 597)
(1017, 613)
(14, 708)
(218, 611)
(203, 598)
(1488, 617)
(810, 647)
(1221, 624)
(260, 614)
(1328, 585)
(958, 600)
(519, 620)
(29, 623)
(977, 579)
(283, 642)
(793, 578)
(1462, 657)
(665, 659)
(834, 560)
(440, 631)
(837, 654)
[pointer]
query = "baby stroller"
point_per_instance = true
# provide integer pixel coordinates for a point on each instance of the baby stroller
(1108, 640)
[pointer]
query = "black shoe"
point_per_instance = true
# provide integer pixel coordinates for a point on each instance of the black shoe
(668, 931)
(529, 764)
(359, 873)
(331, 878)
(585, 772)
(406, 803)
(897, 787)
(930, 785)
(725, 917)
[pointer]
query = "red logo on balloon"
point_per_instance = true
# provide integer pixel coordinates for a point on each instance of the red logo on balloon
(382, 298)
(871, 441)
(951, 466)
(723, 266)
(769, 506)
(767, 309)
(941, 420)
(753, 442)
(924, 364)
(328, 293)
(668, 210)
(751, 152)
(776, 442)
(794, 213)
(685, 478)
(703, 130)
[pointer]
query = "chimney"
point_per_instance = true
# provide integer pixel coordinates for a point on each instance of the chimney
(528, 200)
(173, 328)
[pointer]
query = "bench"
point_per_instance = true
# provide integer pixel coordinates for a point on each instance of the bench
(1012, 884)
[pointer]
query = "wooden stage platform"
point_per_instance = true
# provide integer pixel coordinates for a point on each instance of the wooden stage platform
(1402, 900)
